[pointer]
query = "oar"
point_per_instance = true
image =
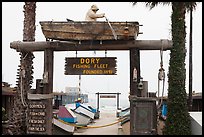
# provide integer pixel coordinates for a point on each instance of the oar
(114, 34)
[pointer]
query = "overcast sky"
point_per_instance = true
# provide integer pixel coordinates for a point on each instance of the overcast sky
(156, 25)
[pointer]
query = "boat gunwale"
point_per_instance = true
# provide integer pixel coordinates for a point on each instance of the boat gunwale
(83, 33)
(92, 22)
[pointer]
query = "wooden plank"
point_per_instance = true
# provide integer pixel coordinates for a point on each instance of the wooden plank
(107, 96)
(107, 93)
(92, 45)
(39, 96)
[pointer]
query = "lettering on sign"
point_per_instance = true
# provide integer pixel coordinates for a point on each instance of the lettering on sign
(33, 106)
(37, 117)
(36, 121)
(37, 113)
(36, 129)
(90, 66)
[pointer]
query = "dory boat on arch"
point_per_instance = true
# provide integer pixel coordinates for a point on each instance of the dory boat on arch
(87, 30)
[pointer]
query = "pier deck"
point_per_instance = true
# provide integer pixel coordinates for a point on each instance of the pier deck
(106, 117)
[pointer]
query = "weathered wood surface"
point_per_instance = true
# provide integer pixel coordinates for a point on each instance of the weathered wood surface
(90, 66)
(39, 96)
(86, 30)
(94, 45)
(48, 86)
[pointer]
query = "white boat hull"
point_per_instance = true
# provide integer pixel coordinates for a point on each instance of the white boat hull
(62, 125)
(82, 120)
(80, 109)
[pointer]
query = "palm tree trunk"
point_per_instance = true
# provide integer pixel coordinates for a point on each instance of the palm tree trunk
(24, 79)
(178, 119)
(27, 61)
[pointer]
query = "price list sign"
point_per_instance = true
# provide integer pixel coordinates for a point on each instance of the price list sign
(37, 117)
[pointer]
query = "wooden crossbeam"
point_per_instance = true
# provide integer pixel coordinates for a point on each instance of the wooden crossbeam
(92, 45)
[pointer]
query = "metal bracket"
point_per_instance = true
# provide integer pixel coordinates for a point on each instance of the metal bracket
(45, 77)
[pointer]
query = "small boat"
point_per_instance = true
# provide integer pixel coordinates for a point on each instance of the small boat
(66, 115)
(97, 112)
(87, 30)
(64, 121)
(82, 119)
(122, 112)
(62, 128)
(81, 108)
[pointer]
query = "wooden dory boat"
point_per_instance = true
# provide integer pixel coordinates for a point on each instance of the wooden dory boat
(86, 30)
(82, 119)
(85, 110)
(68, 128)
(64, 121)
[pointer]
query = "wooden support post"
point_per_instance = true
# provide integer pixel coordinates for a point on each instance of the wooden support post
(134, 79)
(138, 71)
(117, 100)
(134, 64)
(48, 87)
(97, 101)
(39, 88)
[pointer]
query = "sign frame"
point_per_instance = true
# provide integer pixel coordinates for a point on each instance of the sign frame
(90, 66)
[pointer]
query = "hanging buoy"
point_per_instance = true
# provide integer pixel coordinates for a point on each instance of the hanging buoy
(134, 75)
(161, 74)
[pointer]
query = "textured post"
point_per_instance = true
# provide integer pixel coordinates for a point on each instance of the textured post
(134, 78)
(48, 87)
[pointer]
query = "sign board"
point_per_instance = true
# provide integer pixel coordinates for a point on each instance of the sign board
(107, 96)
(90, 66)
(37, 117)
(144, 115)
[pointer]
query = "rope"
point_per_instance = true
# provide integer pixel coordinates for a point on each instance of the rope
(161, 56)
(22, 74)
(162, 96)
(113, 31)
(119, 120)
(161, 76)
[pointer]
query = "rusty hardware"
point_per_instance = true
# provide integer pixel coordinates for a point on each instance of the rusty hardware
(126, 31)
